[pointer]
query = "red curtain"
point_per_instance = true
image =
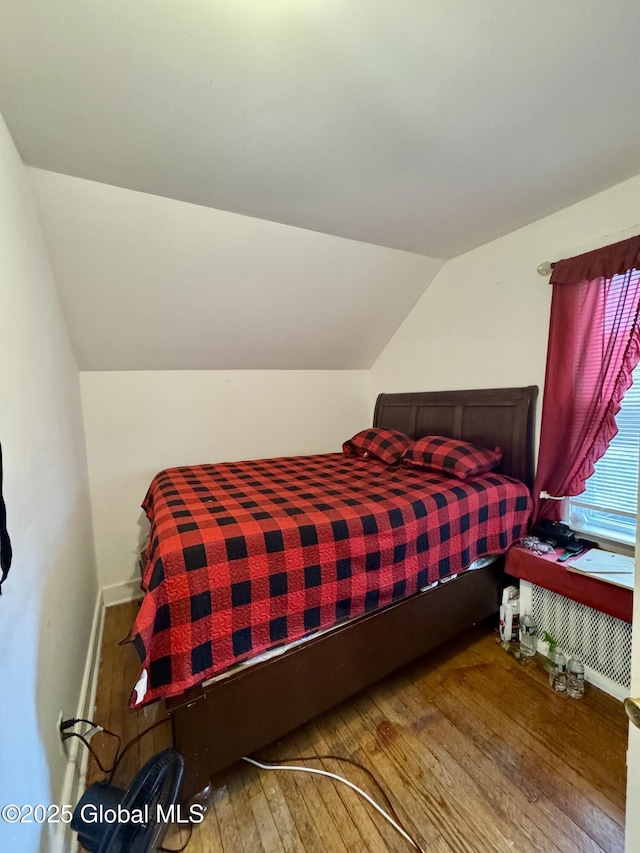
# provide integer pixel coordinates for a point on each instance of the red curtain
(594, 345)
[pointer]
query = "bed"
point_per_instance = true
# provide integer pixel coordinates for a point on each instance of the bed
(277, 588)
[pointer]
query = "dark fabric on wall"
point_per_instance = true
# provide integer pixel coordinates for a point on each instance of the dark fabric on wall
(6, 552)
(616, 259)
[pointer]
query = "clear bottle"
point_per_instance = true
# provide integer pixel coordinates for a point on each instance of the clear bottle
(575, 678)
(558, 671)
(528, 636)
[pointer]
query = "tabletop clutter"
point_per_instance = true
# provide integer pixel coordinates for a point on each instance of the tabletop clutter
(520, 636)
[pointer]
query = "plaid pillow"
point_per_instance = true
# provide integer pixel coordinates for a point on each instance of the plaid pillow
(452, 456)
(387, 445)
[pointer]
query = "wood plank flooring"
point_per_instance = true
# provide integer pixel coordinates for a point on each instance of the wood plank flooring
(474, 749)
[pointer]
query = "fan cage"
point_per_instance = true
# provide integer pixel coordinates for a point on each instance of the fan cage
(601, 641)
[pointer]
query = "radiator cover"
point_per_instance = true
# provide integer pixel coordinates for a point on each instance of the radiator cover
(602, 642)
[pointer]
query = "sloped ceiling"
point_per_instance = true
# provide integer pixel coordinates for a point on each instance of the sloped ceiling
(425, 126)
(149, 283)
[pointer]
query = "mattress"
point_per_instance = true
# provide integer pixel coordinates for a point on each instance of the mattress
(248, 556)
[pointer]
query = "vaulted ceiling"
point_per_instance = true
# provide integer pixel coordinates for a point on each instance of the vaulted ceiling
(149, 283)
(425, 126)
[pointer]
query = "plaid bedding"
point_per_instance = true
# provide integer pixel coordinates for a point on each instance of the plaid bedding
(451, 456)
(245, 556)
(387, 445)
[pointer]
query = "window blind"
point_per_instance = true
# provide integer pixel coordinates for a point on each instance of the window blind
(609, 505)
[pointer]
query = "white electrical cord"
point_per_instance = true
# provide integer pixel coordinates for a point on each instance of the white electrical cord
(92, 730)
(345, 782)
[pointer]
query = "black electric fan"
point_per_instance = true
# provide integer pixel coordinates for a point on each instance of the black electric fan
(156, 785)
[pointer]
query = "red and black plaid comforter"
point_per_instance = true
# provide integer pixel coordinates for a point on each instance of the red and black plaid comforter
(248, 555)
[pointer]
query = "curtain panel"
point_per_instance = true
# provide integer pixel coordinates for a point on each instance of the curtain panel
(594, 345)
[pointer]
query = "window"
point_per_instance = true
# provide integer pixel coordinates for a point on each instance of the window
(609, 506)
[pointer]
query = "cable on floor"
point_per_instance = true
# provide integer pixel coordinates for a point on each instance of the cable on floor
(83, 740)
(135, 739)
(344, 781)
(120, 751)
(353, 762)
(94, 728)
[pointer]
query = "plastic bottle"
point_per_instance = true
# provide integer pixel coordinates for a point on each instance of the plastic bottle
(558, 671)
(528, 636)
(575, 678)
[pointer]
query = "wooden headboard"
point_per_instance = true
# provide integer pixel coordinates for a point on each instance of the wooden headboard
(489, 417)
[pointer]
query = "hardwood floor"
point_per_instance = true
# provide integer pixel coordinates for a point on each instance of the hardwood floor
(474, 749)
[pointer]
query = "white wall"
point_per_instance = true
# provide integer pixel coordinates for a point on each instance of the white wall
(484, 320)
(138, 423)
(152, 283)
(48, 600)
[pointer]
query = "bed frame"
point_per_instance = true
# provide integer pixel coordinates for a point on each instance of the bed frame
(215, 726)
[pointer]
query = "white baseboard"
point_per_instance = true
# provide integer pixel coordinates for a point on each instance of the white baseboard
(618, 691)
(119, 593)
(76, 773)
(75, 776)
